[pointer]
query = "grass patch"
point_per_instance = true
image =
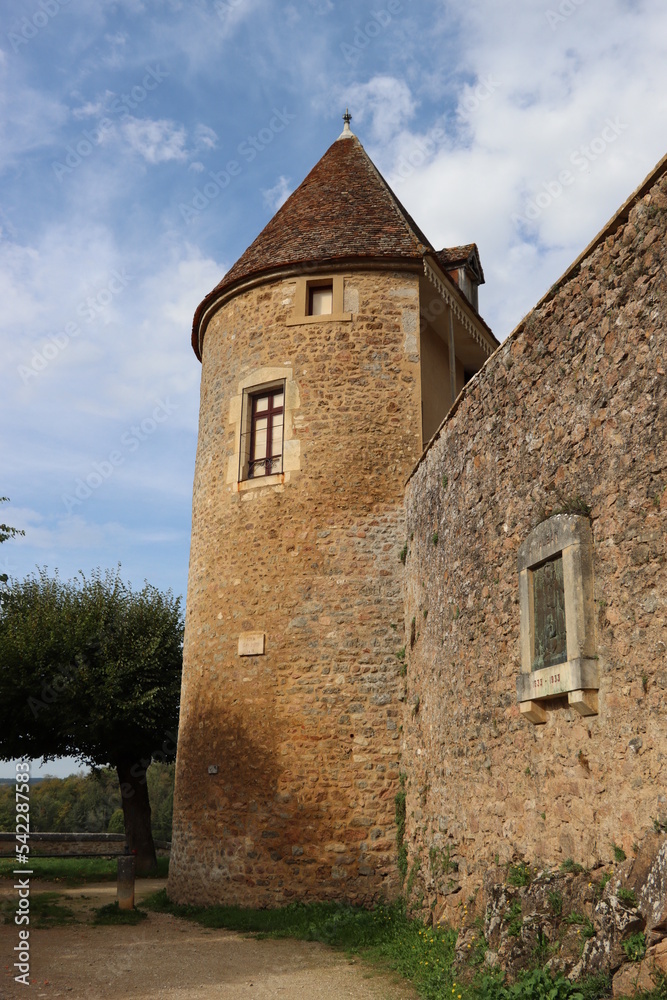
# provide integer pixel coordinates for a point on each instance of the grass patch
(384, 934)
(75, 871)
(514, 919)
(46, 910)
(555, 902)
(635, 947)
(112, 914)
(519, 874)
(571, 866)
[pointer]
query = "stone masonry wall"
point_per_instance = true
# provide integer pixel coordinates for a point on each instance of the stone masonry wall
(306, 737)
(568, 415)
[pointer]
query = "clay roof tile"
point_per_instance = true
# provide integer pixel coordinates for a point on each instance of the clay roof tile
(343, 209)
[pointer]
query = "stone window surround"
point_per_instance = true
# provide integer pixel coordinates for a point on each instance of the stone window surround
(300, 314)
(239, 418)
(568, 536)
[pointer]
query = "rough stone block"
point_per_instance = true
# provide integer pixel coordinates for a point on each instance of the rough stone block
(533, 712)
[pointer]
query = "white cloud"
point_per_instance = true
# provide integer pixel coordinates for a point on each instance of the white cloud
(91, 109)
(541, 131)
(157, 141)
(386, 100)
(205, 138)
(277, 195)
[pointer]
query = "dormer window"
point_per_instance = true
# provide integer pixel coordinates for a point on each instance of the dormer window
(468, 286)
(320, 300)
(463, 266)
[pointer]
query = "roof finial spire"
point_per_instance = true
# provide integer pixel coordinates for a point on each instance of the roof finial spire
(347, 132)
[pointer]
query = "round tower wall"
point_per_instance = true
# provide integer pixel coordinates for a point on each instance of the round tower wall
(288, 759)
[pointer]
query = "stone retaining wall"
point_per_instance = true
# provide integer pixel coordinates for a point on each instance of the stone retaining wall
(569, 415)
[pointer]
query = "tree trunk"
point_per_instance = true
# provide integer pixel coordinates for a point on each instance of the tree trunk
(137, 814)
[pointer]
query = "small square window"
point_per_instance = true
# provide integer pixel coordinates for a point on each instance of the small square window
(320, 300)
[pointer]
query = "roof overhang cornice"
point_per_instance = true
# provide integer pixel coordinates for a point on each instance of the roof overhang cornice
(218, 297)
(470, 320)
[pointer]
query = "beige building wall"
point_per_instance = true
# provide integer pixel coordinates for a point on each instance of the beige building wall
(436, 387)
(288, 759)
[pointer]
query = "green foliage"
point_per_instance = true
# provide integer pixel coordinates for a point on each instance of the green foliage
(519, 874)
(88, 668)
(445, 481)
(537, 984)
(571, 866)
(434, 537)
(635, 946)
(542, 948)
(416, 865)
(90, 803)
(627, 896)
(595, 987)
(619, 853)
(91, 669)
(440, 862)
(555, 902)
(574, 918)
(514, 919)
(399, 813)
(402, 555)
(117, 822)
(588, 929)
(112, 914)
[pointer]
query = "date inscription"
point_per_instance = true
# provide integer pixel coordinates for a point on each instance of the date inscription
(540, 682)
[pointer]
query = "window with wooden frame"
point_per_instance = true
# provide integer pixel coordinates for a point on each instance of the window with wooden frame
(266, 409)
(320, 300)
(263, 425)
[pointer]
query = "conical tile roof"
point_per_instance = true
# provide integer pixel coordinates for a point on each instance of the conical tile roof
(343, 210)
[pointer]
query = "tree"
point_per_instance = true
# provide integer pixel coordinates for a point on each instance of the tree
(5, 533)
(91, 669)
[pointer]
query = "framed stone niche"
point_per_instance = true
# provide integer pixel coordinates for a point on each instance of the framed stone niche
(555, 565)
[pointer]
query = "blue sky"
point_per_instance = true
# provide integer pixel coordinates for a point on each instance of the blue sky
(144, 145)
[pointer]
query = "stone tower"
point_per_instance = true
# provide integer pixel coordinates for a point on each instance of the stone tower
(330, 353)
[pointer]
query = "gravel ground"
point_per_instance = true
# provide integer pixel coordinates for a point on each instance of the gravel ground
(166, 958)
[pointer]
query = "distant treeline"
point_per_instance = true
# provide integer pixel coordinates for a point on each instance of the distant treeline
(89, 803)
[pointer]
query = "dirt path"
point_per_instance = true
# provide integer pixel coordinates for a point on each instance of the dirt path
(166, 958)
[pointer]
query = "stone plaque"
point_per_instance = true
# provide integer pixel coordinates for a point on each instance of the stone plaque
(549, 682)
(251, 644)
(550, 639)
